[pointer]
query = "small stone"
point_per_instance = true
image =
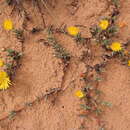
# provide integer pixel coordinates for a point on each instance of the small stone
(3, 49)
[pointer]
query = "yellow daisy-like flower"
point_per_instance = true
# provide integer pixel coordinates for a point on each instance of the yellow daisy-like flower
(1, 63)
(104, 24)
(79, 94)
(8, 25)
(116, 46)
(128, 63)
(73, 30)
(4, 81)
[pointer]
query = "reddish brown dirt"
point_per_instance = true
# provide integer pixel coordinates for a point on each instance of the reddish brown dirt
(40, 70)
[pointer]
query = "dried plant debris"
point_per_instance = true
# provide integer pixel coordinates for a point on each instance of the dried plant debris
(52, 92)
(99, 67)
(13, 2)
(36, 30)
(51, 29)
(9, 2)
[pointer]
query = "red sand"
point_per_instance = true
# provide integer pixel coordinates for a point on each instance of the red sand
(40, 70)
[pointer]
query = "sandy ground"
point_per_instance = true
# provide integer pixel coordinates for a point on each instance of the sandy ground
(40, 70)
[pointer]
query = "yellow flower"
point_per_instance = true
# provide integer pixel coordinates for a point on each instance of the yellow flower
(104, 24)
(73, 30)
(128, 63)
(116, 46)
(8, 25)
(4, 80)
(1, 63)
(79, 94)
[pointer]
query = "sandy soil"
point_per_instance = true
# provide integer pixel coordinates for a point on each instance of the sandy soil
(40, 70)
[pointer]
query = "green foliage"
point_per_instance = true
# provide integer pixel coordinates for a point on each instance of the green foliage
(14, 54)
(12, 114)
(116, 3)
(13, 61)
(60, 52)
(9, 2)
(106, 103)
(19, 34)
(85, 107)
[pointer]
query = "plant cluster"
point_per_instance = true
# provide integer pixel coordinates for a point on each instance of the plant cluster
(103, 34)
(91, 96)
(8, 67)
(19, 35)
(12, 64)
(60, 52)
